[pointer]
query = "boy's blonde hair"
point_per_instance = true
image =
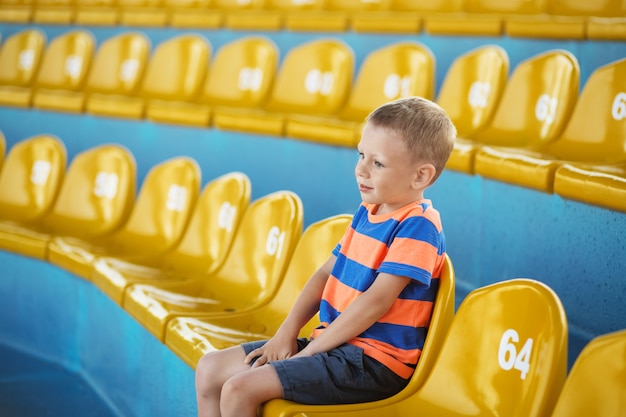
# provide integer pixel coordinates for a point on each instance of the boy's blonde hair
(425, 127)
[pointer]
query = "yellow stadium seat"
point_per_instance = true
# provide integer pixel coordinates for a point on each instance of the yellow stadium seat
(249, 277)
(3, 148)
(398, 70)
(156, 224)
(194, 14)
(240, 75)
(593, 135)
(314, 78)
(97, 13)
(175, 76)
(20, 58)
(143, 13)
(16, 11)
(116, 75)
(95, 198)
(535, 106)
(296, 15)
(30, 181)
(191, 337)
(505, 354)
(248, 15)
(65, 64)
(596, 384)
(59, 12)
(203, 248)
(470, 94)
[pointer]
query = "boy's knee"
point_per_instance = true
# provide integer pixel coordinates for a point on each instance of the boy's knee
(206, 367)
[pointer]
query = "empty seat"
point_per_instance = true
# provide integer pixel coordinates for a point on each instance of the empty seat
(596, 384)
(191, 337)
(470, 94)
(16, 11)
(95, 198)
(65, 64)
(194, 14)
(249, 277)
(156, 223)
(594, 135)
(240, 75)
(314, 78)
(59, 12)
(203, 248)
(143, 13)
(334, 15)
(248, 15)
(97, 13)
(398, 70)
(505, 354)
(536, 104)
(116, 75)
(30, 181)
(20, 58)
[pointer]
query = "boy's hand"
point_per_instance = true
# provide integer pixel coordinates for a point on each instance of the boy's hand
(275, 349)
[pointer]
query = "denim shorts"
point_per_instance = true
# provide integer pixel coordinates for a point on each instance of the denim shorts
(344, 375)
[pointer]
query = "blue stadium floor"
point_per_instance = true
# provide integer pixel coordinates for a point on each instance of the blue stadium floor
(31, 387)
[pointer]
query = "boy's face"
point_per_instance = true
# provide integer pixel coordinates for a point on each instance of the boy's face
(385, 172)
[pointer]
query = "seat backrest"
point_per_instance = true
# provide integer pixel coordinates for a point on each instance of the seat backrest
(314, 78)
(259, 255)
(66, 61)
(20, 57)
(524, 7)
(241, 73)
(596, 132)
(596, 384)
(213, 225)
(177, 68)
(119, 64)
(357, 5)
(537, 101)
(97, 193)
(606, 8)
(431, 6)
(398, 70)
(238, 5)
(504, 355)
(162, 209)
(472, 87)
(31, 177)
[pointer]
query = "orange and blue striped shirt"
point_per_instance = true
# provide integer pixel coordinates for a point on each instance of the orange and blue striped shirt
(408, 242)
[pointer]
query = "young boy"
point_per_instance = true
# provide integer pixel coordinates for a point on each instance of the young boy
(374, 293)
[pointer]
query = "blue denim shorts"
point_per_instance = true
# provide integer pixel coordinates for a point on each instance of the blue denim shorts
(344, 375)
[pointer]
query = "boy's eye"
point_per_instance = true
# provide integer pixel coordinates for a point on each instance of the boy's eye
(378, 164)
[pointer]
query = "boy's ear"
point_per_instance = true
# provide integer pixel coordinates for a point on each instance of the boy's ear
(424, 175)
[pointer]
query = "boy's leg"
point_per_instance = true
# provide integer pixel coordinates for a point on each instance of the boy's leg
(243, 393)
(212, 371)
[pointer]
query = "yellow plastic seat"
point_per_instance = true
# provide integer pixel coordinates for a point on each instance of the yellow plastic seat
(156, 224)
(505, 354)
(240, 75)
(116, 75)
(191, 337)
(248, 15)
(16, 11)
(249, 277)
(596, 384)
(202, 249)
(3, 148)
(95, 198)
(398, 70)
(58, 12)
(194, 14)
(314, 78)
(175, 76)
(296, 15)
(470, 94)
(143, 13)
(65, 64)
(20, 58)
(594, 135)
(535, 106)
(97, 13)
(30, 181)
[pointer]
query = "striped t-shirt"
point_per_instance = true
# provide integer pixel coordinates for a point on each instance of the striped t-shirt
(408, 242)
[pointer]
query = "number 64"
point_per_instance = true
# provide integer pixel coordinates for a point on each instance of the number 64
(509, 357)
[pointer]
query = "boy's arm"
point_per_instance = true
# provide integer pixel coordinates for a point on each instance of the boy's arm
(361, 314)
(283, 344)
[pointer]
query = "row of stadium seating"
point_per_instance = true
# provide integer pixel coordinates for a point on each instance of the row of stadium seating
(206, 268)
(569, 19)
(531, 128)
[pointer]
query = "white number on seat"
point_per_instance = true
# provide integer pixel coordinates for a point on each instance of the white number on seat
(40, 172)
(275, 241)
(618, 110)
(73, 66)
(226, 216)
(319, 82)
(479, 94)
(106, 185)
(176, 197)
(546, 108)
(26, 59)
(250, 79)
(509, 357)
(396, 86)
(128, 69)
